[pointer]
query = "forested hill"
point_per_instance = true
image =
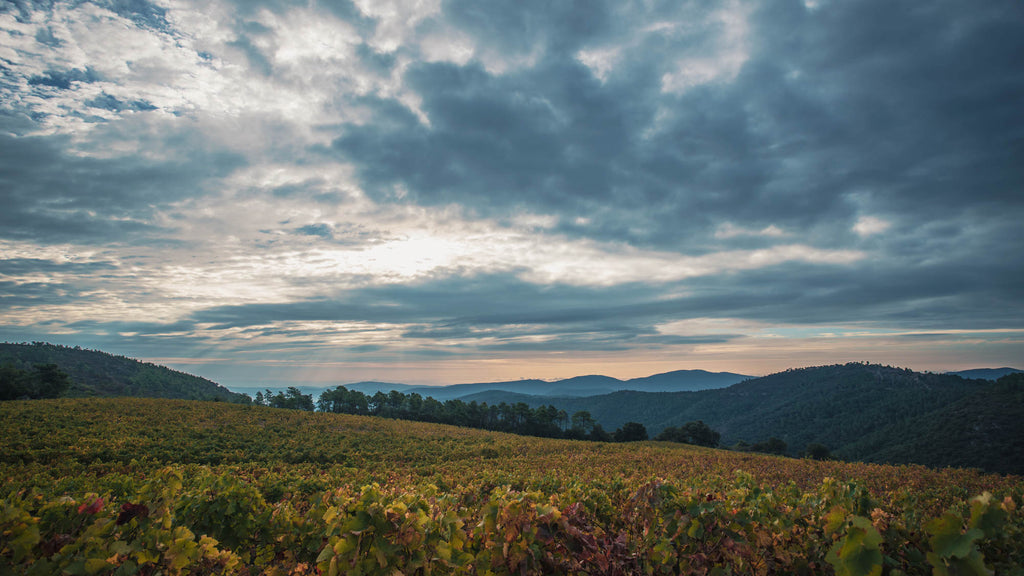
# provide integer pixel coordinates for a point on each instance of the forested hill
(984, 429)
(95, 373)
(859, 411)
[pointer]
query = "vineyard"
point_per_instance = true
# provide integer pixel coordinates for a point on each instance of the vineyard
(135, 486)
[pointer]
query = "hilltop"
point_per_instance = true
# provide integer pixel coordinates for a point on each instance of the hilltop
(99, 374)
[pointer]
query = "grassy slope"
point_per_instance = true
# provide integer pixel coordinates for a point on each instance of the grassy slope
(147, 485)
(50, 438)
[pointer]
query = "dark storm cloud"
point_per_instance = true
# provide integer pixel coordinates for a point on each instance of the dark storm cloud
(20, 285)
(47, 36)
(25, 8)
(447, 310)
(522, 27)
(142, 13)
(342, 235)
(911, 108)
(112, 103)
(321, 230)
(144, 328)
(257, 59)
(64, 78)
(51, 195)
(505, 136)
(915, 105)
(19, 266)
(344, 10)
(451, 305)
(906, 112)
(20, 294)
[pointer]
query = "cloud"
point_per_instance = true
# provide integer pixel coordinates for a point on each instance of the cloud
(54, 195)
(448, 179)
(870, 225)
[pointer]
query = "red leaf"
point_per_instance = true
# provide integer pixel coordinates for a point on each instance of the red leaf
(91, 508)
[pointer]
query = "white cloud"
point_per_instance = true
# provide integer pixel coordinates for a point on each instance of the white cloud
(601, 61)
(397, 20)
(724, 59)
(194, 70)
(871, 225)
(447, 45)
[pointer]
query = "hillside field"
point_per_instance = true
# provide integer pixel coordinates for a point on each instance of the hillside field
(148, 486)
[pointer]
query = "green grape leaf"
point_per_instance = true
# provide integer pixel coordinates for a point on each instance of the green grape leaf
(96, 565)
(948, 541)
(972, 565)
(986, 517)
(857, 554)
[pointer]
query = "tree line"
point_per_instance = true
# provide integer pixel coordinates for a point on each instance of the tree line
(518, 418)
(43, 381)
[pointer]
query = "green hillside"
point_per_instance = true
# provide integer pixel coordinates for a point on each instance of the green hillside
(859, 411)
(94, 373)
(984, 429)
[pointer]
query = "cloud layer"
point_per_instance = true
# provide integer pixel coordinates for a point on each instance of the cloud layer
(457, 190)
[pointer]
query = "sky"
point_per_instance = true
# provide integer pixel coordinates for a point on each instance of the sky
(265, 192)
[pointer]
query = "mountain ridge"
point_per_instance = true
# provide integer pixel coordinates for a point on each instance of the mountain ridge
(859, 411)
(576, 386)
(986, 373)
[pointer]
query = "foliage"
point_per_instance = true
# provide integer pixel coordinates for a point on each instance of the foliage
(816, 451)
(984, 429)
(631, 432)
(697, 433)
(772, 445)
(43, 381)
(136, 486)
(292, 399)
(519, 418)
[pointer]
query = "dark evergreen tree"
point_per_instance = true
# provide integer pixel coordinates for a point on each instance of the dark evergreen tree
(701, 434)
(44, 381)
(631, 432)
(599, 434)
(816, 451)
(771, 446)
(14, 383)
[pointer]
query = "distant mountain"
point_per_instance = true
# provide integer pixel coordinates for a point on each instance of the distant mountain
(313, 391)
(986, 373)
(492, 397)
(579, 386)
(685, 380)
(859, 411)
(370, 388)
(95, 373)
